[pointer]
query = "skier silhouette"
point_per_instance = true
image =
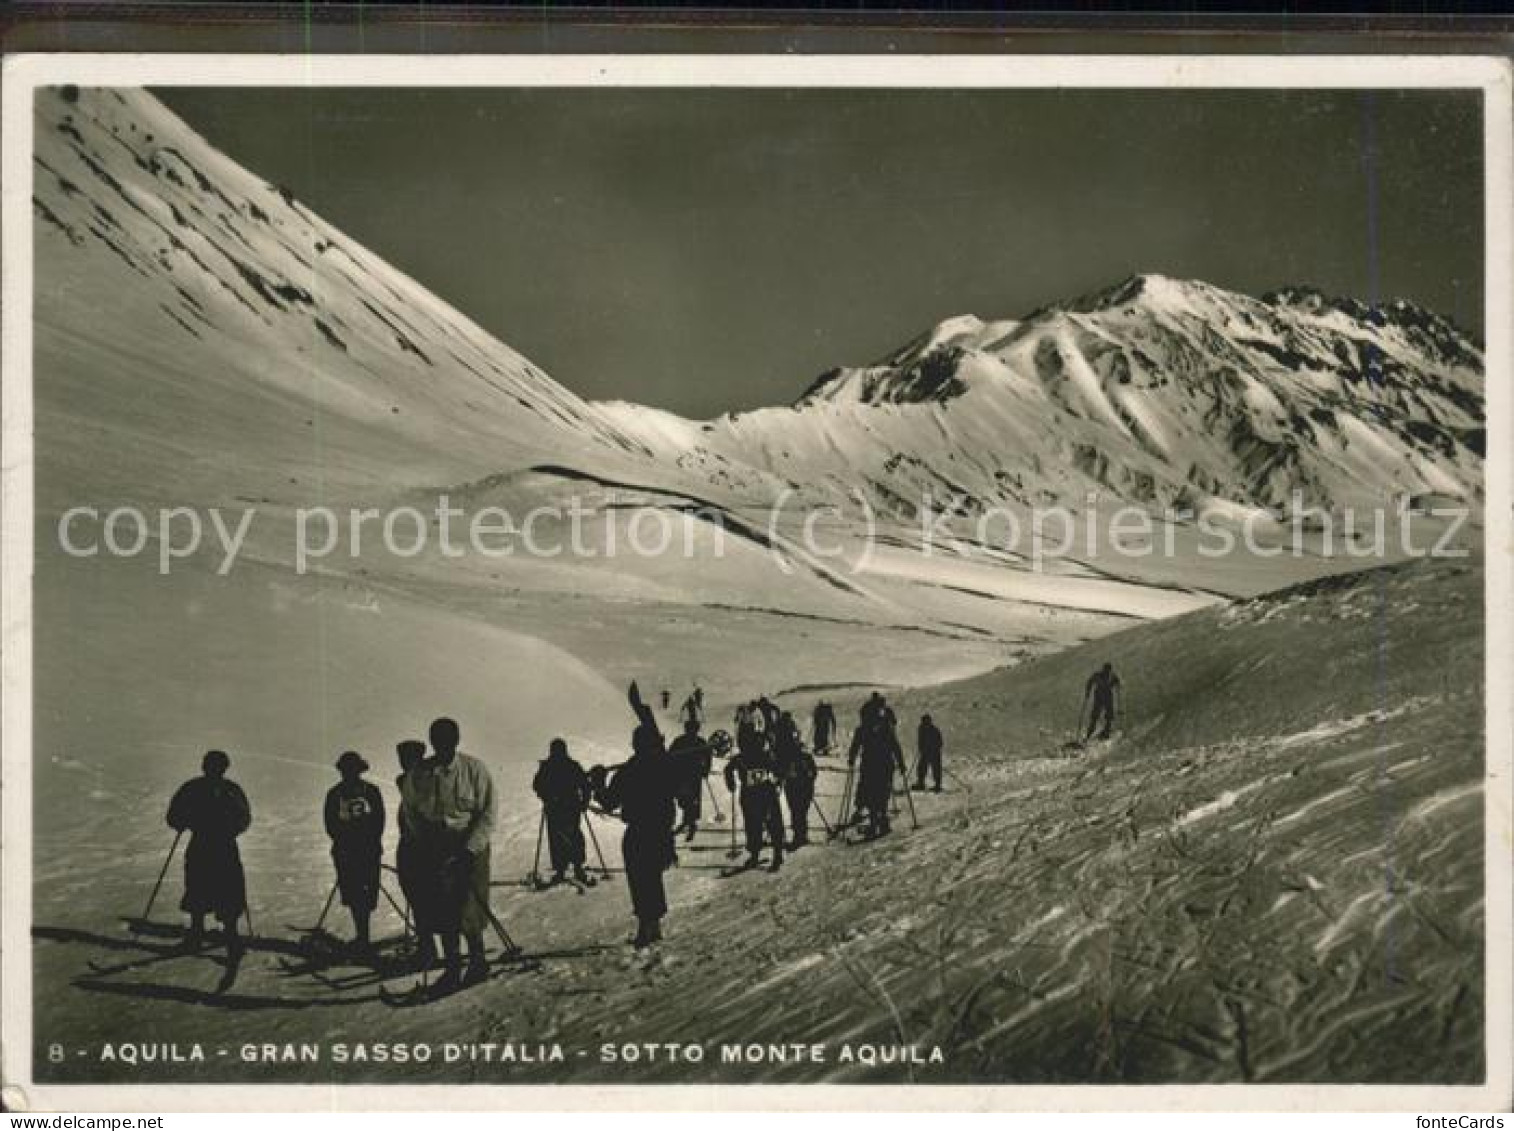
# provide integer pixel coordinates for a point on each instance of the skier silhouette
(354, 816)
(214, 811)
(1103, 687)
(641, 791)
(563, 787)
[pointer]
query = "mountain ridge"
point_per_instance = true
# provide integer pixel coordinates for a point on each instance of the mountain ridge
(1172, 389)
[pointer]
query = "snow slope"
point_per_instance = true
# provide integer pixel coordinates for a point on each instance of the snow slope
(199, 312)
(1267, 876)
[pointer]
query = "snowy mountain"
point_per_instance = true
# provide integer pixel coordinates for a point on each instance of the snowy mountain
(204, 338)
(1160, 392)
(238, 344)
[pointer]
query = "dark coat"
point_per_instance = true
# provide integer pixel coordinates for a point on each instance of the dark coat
(562, 784)
(563, 787)
(214, 811)
(793, 760)
(823, 725)
(641, 791)
(753, 766)
(355, 823)
(878, 748)
(930, 740)
(691, 764)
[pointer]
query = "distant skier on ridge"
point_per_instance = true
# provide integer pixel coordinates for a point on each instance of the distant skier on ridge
(823, 727)
(928, 743)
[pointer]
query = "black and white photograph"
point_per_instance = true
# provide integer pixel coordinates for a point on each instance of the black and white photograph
(883, 573)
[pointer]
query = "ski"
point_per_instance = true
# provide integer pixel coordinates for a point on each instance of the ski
(316, 967)
(405, 999)
(100, 969)
(580, 886)
(425, 990)
(421, 993)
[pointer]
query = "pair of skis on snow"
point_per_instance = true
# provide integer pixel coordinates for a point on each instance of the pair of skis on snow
(848, 798)
(422, 991)
(534, 878)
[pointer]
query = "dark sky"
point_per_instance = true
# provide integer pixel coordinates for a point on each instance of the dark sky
(705, 250)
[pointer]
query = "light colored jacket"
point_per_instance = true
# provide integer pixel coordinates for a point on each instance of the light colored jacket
(459, 797)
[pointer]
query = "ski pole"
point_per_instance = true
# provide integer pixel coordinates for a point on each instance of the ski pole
(849, 796)
(909, 798)
(733, 851)
(167, 860)
(321, 922)
(819, 812)
(715, 801)
(511, 949)
(535, 876)
(398, 910)
(604, 872)
(844, 818)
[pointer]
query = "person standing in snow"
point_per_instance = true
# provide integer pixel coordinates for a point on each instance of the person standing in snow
(876, 707)
(877, 747)
(692, 760)
(822, 727)
(1103, 688)
(693, 708)
(797, 772)
(755, 769)
(641, 791)
(769, 711)
(563, 788)
(456, 809)
(214, 811)
(355, 823)
(411, 857)
(929, 744)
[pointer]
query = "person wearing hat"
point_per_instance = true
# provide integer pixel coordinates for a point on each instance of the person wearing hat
(214, 811)
(355, 824)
